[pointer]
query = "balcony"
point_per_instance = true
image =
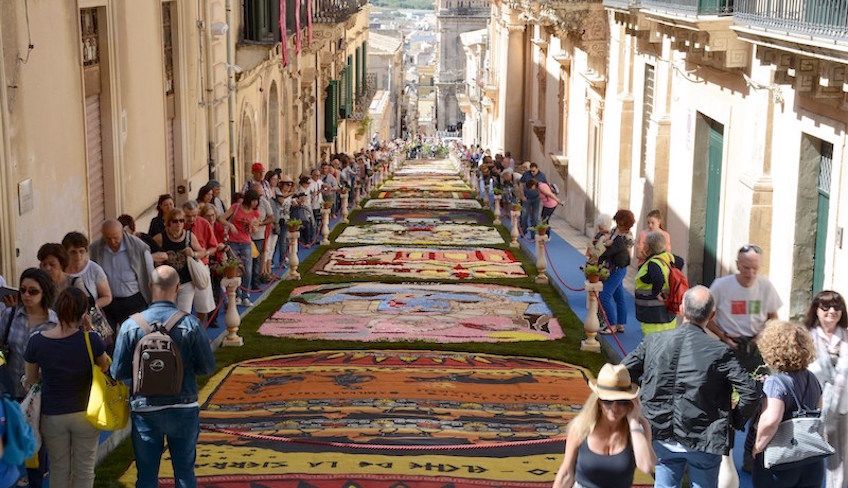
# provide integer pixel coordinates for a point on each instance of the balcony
(687, 8)
(622, 4)
(810, 18)
(363, 101)
(335, 11)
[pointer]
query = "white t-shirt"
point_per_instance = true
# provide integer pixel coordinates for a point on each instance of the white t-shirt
(264, 211)
(743, 311)
(315, 194)
(88, 278)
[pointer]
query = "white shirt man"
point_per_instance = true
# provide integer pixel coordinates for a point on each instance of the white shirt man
(744, 302)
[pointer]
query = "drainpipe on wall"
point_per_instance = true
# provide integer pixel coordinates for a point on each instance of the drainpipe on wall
(205, 33)
(8, 252)
(231, 98)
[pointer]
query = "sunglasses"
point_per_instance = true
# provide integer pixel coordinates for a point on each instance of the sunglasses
(621, 403)
(178, 221)
(750, 247)
(30, 291)
(825, 308)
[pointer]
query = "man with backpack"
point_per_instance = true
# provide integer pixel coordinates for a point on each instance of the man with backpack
(160, 352)
(659, 287)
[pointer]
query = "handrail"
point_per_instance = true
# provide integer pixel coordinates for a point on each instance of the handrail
(818, 18)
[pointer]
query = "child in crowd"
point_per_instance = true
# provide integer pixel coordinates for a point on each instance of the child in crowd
(599, 241)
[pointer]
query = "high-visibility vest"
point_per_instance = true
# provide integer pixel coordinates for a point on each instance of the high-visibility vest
(650, 309)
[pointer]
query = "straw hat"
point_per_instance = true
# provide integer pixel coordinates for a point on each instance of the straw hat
(614, 383)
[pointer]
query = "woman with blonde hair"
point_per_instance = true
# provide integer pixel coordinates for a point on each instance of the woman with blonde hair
(609, 438)
(787, 349)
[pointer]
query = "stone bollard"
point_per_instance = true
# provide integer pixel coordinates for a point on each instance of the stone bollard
(231, 317)
(514, 214)
(325, 226)
(473, 180)
(541, 262)
(292, 273)
(345, 211)
(497, 210)
(357, 195)
(590, 324)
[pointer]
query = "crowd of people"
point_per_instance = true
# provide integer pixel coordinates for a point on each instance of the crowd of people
(108, 288)
(521, 184)
(720, 363)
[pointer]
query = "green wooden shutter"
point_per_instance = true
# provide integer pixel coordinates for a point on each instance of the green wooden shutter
(364, 65)
(358, 68)
(331, 111)
(349, 79)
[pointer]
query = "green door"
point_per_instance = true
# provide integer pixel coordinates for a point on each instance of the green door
(823, 189)
(715, 150)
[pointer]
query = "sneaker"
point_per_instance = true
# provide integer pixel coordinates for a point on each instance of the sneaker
(245, 302)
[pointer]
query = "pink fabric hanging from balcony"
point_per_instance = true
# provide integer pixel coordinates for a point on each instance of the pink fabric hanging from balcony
(297, 39)
(284, 36)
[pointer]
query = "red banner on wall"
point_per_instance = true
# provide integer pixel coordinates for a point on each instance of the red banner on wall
(284, 36)
(309, 22)
(297, 39)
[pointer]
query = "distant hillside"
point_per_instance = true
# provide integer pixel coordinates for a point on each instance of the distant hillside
(413, 4)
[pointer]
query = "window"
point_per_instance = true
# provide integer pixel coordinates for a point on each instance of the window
(261, 21)
(90, 34)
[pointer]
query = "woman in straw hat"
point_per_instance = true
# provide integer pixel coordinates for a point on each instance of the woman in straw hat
(609, 438)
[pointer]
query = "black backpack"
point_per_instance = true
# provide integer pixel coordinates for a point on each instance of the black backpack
(157, 361)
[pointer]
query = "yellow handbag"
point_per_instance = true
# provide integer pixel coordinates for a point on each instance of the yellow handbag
(108, 402)
(254, 251)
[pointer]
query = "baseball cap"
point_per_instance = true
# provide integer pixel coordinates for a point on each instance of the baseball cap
(257, 167)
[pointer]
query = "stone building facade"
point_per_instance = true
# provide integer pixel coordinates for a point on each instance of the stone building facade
(106, 104)
(453, 17)
(729, 117)
(386, 65)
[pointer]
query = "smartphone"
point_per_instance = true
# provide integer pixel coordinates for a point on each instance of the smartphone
(6, 291)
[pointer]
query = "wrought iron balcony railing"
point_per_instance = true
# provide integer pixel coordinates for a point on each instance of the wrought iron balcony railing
(622, 4)
(363, 101)
(335, 11)
(815, 18)
(689, 8)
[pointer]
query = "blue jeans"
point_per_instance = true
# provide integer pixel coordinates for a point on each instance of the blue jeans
(612, 297)
(257, 262)
(149, 429)
(244, 254)
(530, 212)
(703, 468)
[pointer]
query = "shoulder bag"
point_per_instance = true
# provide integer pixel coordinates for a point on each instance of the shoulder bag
(31, 407)
(199, 272)
(99, 323)
(108, 401)
(798, 438)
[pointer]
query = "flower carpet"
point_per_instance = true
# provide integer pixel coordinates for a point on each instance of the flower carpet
(376, 413)
(421, 263)
(428, 312)
(421, 234)
(414, 216)
(385, 418)
(425, 194)
(424, 203)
